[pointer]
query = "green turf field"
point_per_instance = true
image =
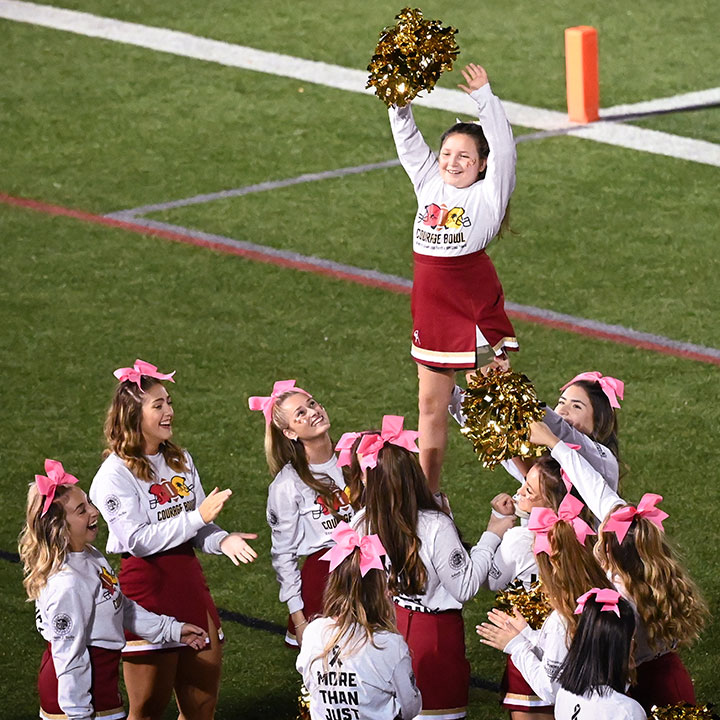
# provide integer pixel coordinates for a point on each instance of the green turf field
(603, 232)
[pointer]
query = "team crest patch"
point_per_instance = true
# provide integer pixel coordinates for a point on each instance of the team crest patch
(112, 504)
(457, 559)
(62, 624)
(272, 518)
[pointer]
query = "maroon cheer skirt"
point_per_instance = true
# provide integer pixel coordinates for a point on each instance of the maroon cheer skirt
(437, 650)
(171, 582)
(104, 692)
(662, 681)
(457, 306)
(518, 695)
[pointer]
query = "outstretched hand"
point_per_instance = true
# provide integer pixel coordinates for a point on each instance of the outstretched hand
(235, 547)
(475, 77)
(501, 629)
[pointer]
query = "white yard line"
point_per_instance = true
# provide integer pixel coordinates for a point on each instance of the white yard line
(192, 46)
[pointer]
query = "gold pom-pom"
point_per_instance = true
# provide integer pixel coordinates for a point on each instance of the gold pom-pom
(303, 703)
(683, 711)
(532, 604)
(499, 409)
(410, 57)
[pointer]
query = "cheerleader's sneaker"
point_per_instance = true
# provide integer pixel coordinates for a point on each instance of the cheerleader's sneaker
(455, 406)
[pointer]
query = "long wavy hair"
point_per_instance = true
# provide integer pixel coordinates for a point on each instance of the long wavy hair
(668, 602)
(599, 655)
(605, 420)
(475, 131)
(568, 572)
(356, 603)
(123, 431)
(44, 539)
(281, 450)
(395, 492)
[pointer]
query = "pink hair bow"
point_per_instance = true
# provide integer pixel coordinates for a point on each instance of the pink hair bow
(56, 476)
(619, 521)
(608, 597)
(266, 404)
(392, 432)
(612, 387)
(344, 448)
(543, 519)
(140, 368)
(346, 540)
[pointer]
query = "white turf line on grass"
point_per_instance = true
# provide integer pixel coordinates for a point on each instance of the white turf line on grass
(186, 45)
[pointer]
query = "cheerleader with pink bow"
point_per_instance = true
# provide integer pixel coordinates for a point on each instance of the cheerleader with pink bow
(353, 661)
(430, 574)
(634, 552)
(307, 498)
(595, 674)
(563, 549)
(80, 608)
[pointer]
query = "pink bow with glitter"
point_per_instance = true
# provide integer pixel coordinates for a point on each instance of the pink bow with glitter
(266, 404)
(56, 476)
(344, 448)
(608, 597)
(612, 387)
(140, 368)
(346, 540)
(619, 521)
(392, 432)
(543, 519)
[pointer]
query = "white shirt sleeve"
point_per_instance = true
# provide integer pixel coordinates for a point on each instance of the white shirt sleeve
(69, 612)
(415, 155)
(403, 683)
(208, 538)
(513, 555)
(459, 573)
(499, 181)
(148, 625)
(283, 516)
(599, 457)
(510, 467)
(537, 664)
(114, 494)
(596, 493)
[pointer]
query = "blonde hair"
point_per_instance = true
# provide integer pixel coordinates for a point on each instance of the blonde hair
(569, 572)
(44, 540)
(668, 602)
(123, 431)
(281, 450)
(356, 603)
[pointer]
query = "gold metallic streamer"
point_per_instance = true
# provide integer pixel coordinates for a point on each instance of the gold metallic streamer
(303, 703)
(410, 57)
(683, 711)
(531, 604)
(499, 409)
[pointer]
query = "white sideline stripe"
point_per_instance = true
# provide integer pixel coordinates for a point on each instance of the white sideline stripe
(187, 45)
(676, 102)
(401, 282)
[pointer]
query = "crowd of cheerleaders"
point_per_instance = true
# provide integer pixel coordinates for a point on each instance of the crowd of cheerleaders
(376, 606)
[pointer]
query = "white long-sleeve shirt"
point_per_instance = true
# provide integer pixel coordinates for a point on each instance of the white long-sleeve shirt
(537, 654)
(376, 681)
(145, 518)
(453, 576)
(301, 524)
(593, 706)
(599, 457)
(457, 221)
(514, 559)
(82, 606)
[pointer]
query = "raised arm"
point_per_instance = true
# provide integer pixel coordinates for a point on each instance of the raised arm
(415, 155)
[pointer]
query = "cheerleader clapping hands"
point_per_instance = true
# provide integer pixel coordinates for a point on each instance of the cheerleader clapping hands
(594, 676)
(353, 661)
(150, 494)
(81, 610)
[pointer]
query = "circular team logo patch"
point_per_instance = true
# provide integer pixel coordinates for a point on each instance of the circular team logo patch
(112, 504)
(62, 624)
(272, 518)
(457, 559)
